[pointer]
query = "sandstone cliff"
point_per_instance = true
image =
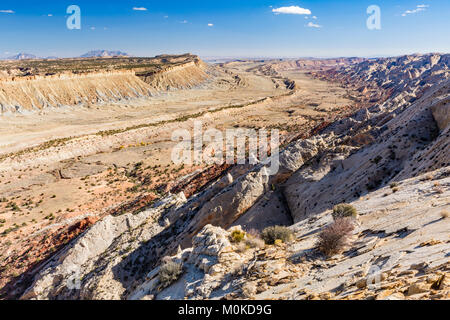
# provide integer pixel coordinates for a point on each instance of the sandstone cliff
(59, 83)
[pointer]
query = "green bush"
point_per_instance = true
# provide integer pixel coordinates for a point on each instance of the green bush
(169, 273)
(344, 210)
(270, 234)
(237, 236)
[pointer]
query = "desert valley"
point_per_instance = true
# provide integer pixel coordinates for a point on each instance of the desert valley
(93, 207)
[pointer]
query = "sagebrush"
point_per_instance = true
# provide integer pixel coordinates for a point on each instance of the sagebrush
(334, 238)
(344, 210)
(270, 234)
(169, 273)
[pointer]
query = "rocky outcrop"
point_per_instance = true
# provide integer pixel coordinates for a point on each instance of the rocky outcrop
(408, 143)
(187, 75)
(36, 94)
(398, 251)
(274, 68)
(400, 79)
(441, 112)
(63, 272)
(39, 89)
(204, 264)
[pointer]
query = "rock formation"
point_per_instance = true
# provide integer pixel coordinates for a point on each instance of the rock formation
(87, 82)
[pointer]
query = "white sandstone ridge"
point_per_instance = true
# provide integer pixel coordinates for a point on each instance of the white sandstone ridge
(38, 91)
(401, 240)
(81, 256)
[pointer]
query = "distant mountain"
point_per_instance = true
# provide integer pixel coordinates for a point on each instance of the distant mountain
(104, 54)
(23, 56)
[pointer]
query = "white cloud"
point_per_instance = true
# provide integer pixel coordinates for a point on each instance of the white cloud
(314, 17)
(419, 8)
(291, 10)
(139, 9)
(210, 25)
(7, 11)
(92, 28)
(313, 25)
(184, 21)
(49, 15)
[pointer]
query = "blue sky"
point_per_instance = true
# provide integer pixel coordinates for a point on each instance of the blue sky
(248, 28)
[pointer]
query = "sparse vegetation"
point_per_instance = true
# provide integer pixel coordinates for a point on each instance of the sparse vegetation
(169, 273)
(394, 185)
(344, 210)
(377, 159)
(237, 236)
(13, 206)
(438, 188)
(271, 234)
(334, 238)
(361, 139)
(252, 242)
(445, 214)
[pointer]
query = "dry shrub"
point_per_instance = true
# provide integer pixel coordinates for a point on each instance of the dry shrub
(394, 185)
(344, 210)
(169, 273)
(254, 233)
(438, 188)
(270, 234)
(334, 238)
(241, 247)
(253, 243)
(361, 139)
(445, 214)
(253, 239)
